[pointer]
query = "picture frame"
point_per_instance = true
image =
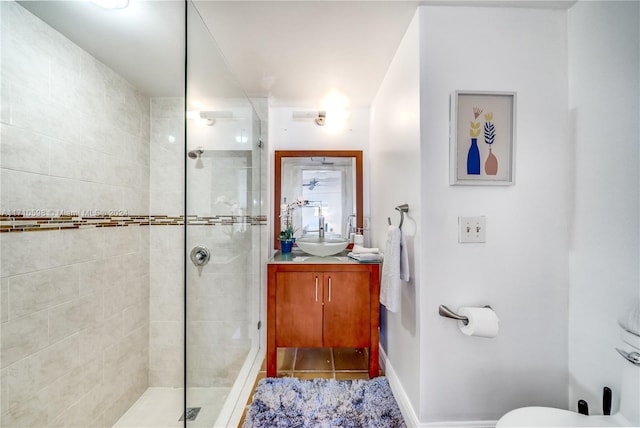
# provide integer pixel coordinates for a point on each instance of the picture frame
(482, 138)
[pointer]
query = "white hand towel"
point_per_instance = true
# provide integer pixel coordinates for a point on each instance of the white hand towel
(394, 269)
(360, 249)
(630, 321)
(404, 258)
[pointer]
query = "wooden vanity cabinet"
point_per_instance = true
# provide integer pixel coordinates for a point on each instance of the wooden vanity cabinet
(323, 305)
(347, 310)
(298, 309)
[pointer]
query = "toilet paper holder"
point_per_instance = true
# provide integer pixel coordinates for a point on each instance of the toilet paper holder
(448, 313)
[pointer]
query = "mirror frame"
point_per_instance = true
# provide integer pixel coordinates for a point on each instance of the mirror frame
(277, 182)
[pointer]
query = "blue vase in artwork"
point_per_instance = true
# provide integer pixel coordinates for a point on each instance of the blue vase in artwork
(473, 158)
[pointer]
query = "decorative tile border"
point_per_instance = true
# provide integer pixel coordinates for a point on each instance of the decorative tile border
(20, 223)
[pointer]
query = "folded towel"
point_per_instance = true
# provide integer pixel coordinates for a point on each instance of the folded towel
(394, 270)
(630, 321)
(360, 249)
(404, 259)
(366, 257)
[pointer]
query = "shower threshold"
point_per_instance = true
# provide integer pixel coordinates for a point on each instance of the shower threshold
(160, 407)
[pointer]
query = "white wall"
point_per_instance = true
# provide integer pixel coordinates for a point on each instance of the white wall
(395, 180)
(226, 133)
(604, 106)
(285, 133)
(522, 269)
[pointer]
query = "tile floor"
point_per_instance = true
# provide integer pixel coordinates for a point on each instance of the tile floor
(314, 363)
(309, 363)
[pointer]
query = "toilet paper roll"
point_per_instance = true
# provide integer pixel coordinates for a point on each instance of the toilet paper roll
(483, 322)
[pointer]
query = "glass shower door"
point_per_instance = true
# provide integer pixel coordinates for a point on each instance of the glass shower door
(223, 231)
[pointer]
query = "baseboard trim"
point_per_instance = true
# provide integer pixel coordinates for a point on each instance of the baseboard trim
(408, 413)
(410, 417)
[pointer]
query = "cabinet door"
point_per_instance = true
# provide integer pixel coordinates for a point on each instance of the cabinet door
(298, 309)
(347, 311)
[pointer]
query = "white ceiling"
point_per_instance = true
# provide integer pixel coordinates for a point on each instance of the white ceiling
(291, 51)
(295, 52)
(144, 42)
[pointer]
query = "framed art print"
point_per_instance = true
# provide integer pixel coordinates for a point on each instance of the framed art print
(482, 138)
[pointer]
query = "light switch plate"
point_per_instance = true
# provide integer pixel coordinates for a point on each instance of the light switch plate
(472, 229)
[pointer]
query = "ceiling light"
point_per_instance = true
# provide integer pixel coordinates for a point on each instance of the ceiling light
(111, 4)
(336, 105)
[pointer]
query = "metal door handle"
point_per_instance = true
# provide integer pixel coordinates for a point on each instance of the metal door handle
(329, 288)
(316, 288)
(200, 256)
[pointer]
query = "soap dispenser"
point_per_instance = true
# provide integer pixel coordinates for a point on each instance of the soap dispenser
(358, 239)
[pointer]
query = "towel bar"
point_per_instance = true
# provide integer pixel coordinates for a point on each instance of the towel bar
(404, 208)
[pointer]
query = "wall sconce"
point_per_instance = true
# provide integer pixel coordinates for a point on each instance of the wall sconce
(319, 117)
(211, 116)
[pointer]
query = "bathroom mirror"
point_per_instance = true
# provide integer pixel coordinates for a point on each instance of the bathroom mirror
(331, 182)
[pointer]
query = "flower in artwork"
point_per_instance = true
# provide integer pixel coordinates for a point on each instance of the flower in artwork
(489, 132)
(491, 164)
(474, 131)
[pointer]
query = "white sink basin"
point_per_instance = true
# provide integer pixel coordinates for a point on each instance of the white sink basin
(322, 247)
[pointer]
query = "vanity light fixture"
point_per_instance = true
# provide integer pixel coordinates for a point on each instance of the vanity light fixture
(322, 118)
(319, 117)
(111, 4)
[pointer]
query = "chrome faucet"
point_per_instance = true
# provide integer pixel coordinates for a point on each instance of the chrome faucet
(320, 224)
(351, 225)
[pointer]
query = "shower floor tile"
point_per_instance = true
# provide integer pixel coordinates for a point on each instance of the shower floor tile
(162, 408)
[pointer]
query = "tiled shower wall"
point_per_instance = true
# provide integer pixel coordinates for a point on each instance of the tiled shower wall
(166, 324)
(75, 303)
(219, 294)
(93, 315)
(223, 296)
